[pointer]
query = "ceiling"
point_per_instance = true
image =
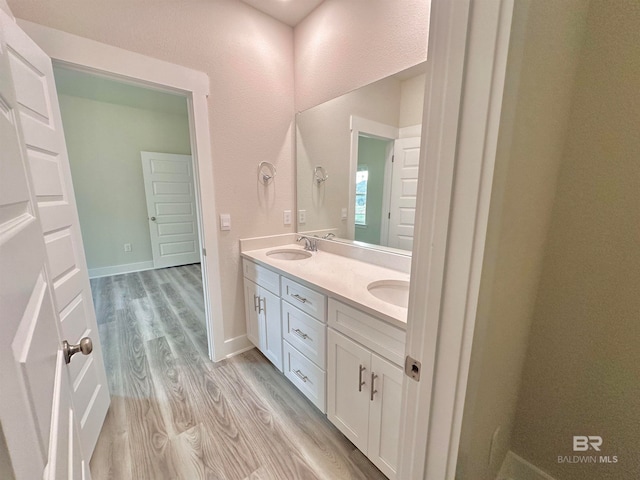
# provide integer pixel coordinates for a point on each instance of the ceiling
(290, 12)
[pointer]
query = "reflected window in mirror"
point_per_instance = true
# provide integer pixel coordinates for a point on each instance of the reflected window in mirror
(362, 179)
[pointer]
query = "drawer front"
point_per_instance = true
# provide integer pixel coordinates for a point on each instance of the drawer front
(307, 300)
(378, 335)
(262, 276)
(305, 333)
(305, 375)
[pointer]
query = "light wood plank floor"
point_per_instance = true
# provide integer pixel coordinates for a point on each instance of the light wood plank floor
(176, 415)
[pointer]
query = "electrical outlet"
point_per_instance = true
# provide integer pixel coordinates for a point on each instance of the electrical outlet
(302, 217)
(286, 217)
(127, 247)
(343, 214)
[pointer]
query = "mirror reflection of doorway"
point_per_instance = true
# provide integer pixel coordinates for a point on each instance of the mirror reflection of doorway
(385, 190)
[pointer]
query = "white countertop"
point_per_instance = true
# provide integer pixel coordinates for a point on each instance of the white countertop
(342, 278)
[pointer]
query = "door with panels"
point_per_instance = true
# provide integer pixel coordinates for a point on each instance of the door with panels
(38, 115)
(171, 204)
(39, 423)
(404, 190)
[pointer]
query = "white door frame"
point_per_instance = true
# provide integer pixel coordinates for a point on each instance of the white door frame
(468, 46)
(362, 126)
(97, 58)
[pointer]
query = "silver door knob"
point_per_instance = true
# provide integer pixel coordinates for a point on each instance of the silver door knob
(153, 219)
(85, 347)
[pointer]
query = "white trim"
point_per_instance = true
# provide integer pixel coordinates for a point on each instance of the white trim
(120, 269)
(515, 467)
(237, 345)
(468, 53)
(359, 125)
(97, 58)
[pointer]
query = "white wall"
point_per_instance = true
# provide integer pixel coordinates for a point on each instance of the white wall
(104, 141)
(582, 372)
(412, 101)
(343, 45)
(249, 59)
(543, 58)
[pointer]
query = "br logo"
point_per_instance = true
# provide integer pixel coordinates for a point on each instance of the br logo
(582, 443)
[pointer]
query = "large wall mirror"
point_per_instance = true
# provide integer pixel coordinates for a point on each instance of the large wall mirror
(357, 162)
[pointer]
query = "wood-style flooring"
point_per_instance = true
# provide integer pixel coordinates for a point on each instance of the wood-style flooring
(176, 415)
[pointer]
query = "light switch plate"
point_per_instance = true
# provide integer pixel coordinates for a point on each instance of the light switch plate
(302, 217)
(286, 217)
(225, 221)
(344, 214)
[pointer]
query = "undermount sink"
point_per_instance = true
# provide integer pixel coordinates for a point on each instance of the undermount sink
(288, 254)
(395, 292)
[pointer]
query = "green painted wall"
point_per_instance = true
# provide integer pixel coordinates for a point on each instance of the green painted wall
(104, 141)
(371, 154)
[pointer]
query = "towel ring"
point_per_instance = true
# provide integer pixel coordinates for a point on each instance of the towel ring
(320, 175)
(266, 172)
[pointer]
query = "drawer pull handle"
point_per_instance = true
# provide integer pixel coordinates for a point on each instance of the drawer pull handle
(262, 304)
(302, 377)
(256, 302)
(300, 333)
(360, 381)
(373, 390)
(299, 298)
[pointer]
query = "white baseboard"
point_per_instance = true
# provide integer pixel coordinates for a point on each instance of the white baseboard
(120, 269)
(515, 467)
(237, 345)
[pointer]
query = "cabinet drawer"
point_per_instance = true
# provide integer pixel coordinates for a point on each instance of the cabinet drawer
(381, 337)
(307, 300)
(262, 276)
(305, 375)
(305, 333)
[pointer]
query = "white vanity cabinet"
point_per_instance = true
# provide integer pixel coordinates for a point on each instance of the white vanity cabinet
(262, 311)
(364, 389)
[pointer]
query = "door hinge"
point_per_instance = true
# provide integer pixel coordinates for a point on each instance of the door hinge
(389, 216)
(412, 368)
(393, 158)
(204, 252)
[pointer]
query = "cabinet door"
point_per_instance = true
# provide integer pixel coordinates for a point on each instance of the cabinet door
(270, 311)
(348, 381)
(384, 415)
(251, 312)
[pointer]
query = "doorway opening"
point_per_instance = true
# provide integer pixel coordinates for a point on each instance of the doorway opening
(135, 186)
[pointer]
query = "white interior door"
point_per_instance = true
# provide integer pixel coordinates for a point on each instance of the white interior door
(38, 115)
(171, 205)
(404, 187)
(38, 421)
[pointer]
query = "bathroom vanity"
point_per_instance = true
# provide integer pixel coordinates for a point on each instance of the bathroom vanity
(334, 325)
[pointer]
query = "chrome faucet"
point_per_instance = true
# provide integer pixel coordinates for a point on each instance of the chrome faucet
(329, 236)
(309, 244)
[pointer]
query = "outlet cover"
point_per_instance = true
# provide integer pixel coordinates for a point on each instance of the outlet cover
(302, 217)
(286, 217)
(127, 247)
